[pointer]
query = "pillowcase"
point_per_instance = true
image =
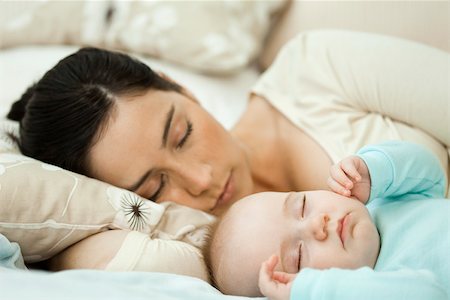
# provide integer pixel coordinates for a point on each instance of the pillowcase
(209, 36)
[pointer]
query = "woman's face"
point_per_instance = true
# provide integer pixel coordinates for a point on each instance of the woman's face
(314, 229)
(165, 147)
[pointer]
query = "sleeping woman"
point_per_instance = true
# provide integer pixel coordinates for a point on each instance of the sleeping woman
(111, 117)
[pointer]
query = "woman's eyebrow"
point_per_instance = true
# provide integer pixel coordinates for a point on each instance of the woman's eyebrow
(169, 117)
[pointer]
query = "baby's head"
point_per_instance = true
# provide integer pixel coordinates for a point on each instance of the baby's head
(315, 229)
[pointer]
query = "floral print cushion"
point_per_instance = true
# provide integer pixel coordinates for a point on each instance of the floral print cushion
(209, 36)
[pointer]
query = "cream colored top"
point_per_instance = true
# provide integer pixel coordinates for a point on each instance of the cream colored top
(348, 89)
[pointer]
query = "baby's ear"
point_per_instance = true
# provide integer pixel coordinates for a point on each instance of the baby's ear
(184, 90)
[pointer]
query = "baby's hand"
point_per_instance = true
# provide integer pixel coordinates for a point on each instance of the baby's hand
(273, 284)
(350, 178)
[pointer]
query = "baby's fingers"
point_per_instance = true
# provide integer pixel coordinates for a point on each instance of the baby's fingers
(266, 282)
(337, 187)
(271, 263)
(349, 167)
(265, 278)
(283, 277)
(338, 175)
(268, 267)
(339, 182)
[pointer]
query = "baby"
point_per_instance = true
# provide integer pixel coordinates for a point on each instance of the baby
(326, 245)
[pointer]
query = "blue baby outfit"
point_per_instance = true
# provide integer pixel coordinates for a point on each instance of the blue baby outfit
(408, 207)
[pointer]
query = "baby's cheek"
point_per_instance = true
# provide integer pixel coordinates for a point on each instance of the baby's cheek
(367, 246)
(322, 259)
(365, 232)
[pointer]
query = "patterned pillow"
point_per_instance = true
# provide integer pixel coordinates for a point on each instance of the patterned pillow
(46, 209)
(210, 36)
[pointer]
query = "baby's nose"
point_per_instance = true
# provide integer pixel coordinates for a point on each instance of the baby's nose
(320, 227)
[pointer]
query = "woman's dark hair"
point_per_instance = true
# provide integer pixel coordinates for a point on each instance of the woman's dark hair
(62, 114)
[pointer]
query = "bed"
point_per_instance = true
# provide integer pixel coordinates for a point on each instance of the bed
(218, 74)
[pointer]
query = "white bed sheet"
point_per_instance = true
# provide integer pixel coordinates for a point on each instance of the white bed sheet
(20, 284)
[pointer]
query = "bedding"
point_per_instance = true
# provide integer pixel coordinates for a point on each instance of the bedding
(228, 38)
(18, 283)
(224, 97)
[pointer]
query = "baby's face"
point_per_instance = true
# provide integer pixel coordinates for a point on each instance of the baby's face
(316, 229)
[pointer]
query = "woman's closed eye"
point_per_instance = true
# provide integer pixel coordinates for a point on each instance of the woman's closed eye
(163, 178)
(186, 135)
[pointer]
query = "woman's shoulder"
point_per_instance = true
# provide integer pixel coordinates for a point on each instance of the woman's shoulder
(257, 121)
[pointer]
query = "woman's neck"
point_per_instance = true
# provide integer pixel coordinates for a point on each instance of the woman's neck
(258, 132)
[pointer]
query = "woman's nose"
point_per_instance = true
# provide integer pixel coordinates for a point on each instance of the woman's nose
(198, 178)
(319, 227)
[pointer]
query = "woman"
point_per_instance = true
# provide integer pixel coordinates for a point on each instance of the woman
(110, 117)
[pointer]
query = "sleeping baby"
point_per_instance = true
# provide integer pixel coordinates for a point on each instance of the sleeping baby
(382, 233)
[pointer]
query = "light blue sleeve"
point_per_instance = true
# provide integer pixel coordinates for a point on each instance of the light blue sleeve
(10, 255)
(397, 168)
(367, 284)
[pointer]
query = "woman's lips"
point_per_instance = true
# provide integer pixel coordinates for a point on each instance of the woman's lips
(227, 192)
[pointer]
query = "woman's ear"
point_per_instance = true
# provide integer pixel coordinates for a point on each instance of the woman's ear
(185, 91)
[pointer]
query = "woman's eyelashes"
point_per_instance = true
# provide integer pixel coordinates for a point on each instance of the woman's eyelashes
(186, 135)
(163, 178)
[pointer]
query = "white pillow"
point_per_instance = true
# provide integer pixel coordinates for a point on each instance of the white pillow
(210, 36)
